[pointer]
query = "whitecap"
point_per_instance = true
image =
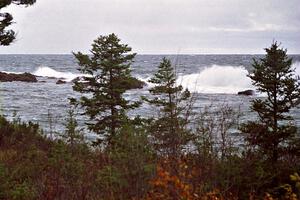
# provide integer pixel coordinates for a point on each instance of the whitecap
(49, 72)
(217, 79)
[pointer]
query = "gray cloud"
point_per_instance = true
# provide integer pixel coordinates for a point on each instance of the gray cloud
(158, 26)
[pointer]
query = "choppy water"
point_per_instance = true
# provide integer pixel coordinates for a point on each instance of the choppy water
(215, 78)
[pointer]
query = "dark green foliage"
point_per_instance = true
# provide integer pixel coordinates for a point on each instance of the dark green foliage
(72, 134)
(109, 77)
(7, 36)
(17, 132)
(35, 167)
(130, 165)
(274, 76)
(169, 129)
(14, 182)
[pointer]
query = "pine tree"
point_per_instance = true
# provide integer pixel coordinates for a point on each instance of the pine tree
(169, 129)
(7, 36)
(108, 71)
(72, 134)
(274, 76)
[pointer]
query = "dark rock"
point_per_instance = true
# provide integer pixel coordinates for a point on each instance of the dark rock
(133, 83)
(246, 92)
(77, 79)
(9, 77)
(60, 82)
(50, 77)
(80, 81)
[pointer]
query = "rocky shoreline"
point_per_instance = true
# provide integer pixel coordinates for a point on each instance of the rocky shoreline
(134, 83)
(24, 77)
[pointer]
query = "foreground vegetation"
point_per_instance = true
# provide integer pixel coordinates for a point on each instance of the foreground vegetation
(177, 154)
(33, 166)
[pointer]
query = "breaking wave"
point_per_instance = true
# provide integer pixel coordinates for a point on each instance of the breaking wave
(217, 79)
(49, 72)
(221, 79)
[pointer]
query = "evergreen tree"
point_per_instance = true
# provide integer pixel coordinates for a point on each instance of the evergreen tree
(169, 129)
(72, 134)
(7, 36)
(273, 76)
(108, 71)
(131, 165)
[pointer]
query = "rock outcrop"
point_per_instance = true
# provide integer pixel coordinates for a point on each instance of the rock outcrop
(60, 82)
(132, 83)
(246, 92)
(9, 77)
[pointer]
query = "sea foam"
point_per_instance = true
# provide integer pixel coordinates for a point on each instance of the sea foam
(49, 72)
(217, 79)
(221, 79)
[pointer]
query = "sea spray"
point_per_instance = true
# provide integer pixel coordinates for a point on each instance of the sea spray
(217, 79)
(49, 72)
(221, 79)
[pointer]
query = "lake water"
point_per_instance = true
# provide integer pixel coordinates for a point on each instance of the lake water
(215, 79)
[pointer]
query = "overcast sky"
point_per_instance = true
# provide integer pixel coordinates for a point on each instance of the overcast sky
(157, 26)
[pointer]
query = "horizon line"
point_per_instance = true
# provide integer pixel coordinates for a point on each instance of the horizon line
(150, 54)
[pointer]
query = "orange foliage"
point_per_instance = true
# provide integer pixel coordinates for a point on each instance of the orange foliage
(171, 183)
(167, 186)
(287, 197)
